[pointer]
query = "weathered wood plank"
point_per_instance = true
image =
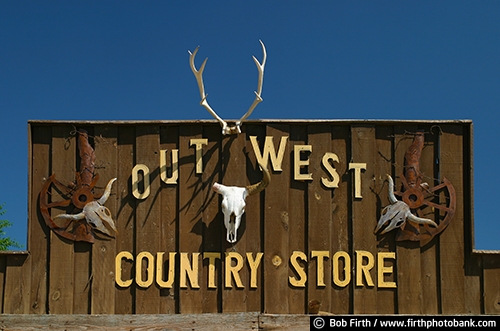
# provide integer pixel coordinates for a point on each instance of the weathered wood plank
(38, 232)
(451, 240)
(234, 174)
(17, 284)
(407, 252)
(319, 200)
(297, 216)
(364, 208)
(340, 228)
(190, 217)
(237, 321)
(125, 218)
(491, 290)
(169, 195)
(276, 228)
(82, 259)
(104, 250)
(383, 165)
(148, 218)
(254, 217)
(428, 253)
(213, 229)
(61, 266)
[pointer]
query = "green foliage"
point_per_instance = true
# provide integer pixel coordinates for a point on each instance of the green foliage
(6, 242)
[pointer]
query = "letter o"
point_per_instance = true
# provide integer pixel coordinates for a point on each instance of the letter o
(149, 270)
(336, 271)
(135, 181)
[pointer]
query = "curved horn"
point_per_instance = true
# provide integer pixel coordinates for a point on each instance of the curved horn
(420, 220)
(392, 197)
(107, 192)
(260, 186)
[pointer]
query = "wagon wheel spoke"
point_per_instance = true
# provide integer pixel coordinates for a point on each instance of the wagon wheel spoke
(437, 206)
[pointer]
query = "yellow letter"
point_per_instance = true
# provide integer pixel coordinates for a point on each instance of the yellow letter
(301, 282)
(233, 269)
(298, 163)
(269, 152)
(336, 271)
(357, 177)
(159, 270)
(211, 267)
(331, 170)
(191, 271)
(320, 266)
(364, 269)
(175, 166)
(199, 160)
(382, 269)
(254, 265)
(118, 268)
(135, 181)
(149, 270)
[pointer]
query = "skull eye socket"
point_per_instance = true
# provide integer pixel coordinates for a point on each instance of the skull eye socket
(399, 223)
(384, 211)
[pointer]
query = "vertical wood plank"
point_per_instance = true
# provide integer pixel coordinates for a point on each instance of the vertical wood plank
(148, 216)
(491, 290)
(254, 217)
(81, 257)
(3, 270)
(363, 209)
(340, 299)
(104, 250)
(169, 140)
(428, 255)
(38, 232)
(213, 230)
(190, 215)
(473, 265)
(407, 252)
(383, 165)
(452, 238)
(125, 217)
(61, 283)
(297, 216)
(276, 230)
(319, 199)
(17, 284)
(234, 174)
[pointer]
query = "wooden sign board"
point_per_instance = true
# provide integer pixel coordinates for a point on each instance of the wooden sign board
(307, 236)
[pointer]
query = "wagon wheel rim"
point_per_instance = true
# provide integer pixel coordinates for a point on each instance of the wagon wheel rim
(419, 200)
(71, 230)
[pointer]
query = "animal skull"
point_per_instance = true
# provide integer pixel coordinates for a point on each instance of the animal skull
(233, 202)
(397, 213)
(97, 215)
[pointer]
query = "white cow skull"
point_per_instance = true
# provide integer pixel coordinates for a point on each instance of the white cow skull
(397, 213)
(97, 215)
(233, 202)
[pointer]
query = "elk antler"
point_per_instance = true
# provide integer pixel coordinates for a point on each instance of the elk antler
(199, 78)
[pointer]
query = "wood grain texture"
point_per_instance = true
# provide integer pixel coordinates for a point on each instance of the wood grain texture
(62, 277)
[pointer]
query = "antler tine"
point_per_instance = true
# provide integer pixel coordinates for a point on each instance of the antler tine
(199, 78)
(258, 98)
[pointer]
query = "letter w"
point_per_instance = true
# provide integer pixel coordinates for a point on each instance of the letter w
(269, 151)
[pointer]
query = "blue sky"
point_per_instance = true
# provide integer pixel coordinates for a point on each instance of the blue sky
(128, 60)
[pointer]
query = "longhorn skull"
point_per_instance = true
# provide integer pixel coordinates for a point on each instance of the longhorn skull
(397, 213)
(233, 202)
(97, 215)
